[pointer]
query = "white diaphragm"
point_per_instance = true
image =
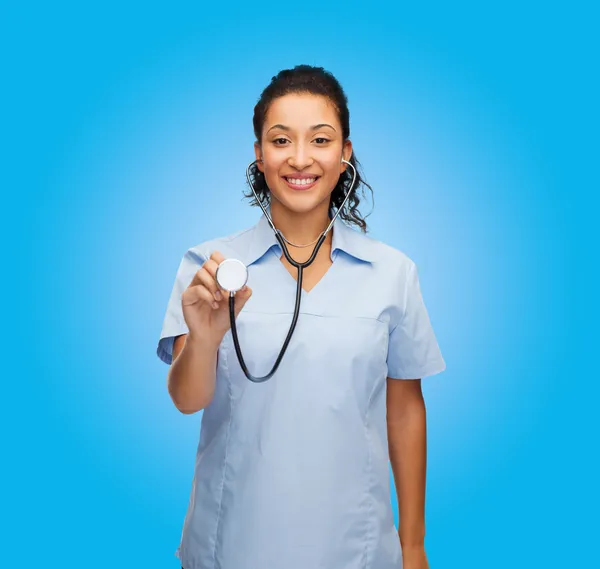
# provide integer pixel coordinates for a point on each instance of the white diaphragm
(232, 275)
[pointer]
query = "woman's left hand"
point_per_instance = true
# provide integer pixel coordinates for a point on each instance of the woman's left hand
(414, 557)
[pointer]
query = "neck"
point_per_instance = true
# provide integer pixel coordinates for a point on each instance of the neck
(302, 227)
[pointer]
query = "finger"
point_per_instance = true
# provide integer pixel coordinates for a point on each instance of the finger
(211, 266)
(198, 293)
(210, 283)
(196, 279)
(217, 257)
(242, 296)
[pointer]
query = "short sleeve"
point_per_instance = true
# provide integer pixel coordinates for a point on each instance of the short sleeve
(413, 351)
(174, 323)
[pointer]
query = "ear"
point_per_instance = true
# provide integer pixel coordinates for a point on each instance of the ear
(258, 154)
(346, 154)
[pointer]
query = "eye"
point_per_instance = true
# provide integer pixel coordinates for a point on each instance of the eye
(279, 141)
(323, 139)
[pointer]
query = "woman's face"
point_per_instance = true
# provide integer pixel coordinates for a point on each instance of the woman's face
(302, 149)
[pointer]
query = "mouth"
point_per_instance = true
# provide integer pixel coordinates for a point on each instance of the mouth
(301, 183)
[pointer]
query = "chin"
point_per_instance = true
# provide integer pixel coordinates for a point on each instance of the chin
(300, 204)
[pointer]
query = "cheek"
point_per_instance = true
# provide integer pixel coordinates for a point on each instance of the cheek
(332, 169)
(332, 162)
(272, 178)
(269, 170)
(272, 165)
(271, 175)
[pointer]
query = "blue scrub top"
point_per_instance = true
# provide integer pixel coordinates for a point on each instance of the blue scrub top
(294, 472)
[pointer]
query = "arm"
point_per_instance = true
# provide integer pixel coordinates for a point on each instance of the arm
(406, 426)
(192, 375)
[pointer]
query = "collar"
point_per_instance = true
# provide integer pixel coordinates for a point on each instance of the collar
(344, 238)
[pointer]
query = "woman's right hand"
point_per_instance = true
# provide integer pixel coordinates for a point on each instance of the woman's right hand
(206, 305)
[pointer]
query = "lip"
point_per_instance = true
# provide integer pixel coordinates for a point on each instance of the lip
(302, 187)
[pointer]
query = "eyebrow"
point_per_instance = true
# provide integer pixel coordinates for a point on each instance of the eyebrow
(315, 127)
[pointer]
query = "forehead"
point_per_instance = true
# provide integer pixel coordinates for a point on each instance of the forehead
(301, 110)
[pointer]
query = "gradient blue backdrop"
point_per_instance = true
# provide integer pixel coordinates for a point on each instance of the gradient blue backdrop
(127, 130)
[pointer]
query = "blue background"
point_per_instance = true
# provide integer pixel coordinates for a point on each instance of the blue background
(127, 130)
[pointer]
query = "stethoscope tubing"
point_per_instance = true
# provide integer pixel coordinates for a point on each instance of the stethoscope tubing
(299, 266)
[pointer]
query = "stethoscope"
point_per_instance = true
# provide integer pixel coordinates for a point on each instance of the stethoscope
(232, 275)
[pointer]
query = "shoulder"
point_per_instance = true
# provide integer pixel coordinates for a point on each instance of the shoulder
(383, 255)
(228, 245)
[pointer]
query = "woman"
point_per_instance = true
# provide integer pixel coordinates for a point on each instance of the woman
(292, 473)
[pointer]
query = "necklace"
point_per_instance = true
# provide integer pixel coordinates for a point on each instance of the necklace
(300, 246)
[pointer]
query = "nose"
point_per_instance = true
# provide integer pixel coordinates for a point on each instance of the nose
(300, 157)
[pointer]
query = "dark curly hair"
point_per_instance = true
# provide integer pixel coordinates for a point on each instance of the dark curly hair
(316, 81)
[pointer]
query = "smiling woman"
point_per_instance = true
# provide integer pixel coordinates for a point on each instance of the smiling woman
(305, 157)
(279, 129)
(294, 472)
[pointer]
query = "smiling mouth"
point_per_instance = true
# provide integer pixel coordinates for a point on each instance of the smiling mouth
(301, 183)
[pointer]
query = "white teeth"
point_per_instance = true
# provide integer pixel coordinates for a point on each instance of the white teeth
(301, 182)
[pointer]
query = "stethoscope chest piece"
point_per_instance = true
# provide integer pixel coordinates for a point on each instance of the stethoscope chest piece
(232, 275)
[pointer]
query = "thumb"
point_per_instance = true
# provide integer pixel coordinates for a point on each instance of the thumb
(241, 298)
